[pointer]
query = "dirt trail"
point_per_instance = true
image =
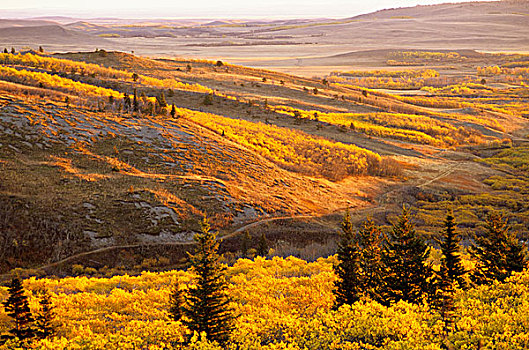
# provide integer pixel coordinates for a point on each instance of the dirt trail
(370, 210)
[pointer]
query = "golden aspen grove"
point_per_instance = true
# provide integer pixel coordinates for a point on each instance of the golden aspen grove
(283, 303)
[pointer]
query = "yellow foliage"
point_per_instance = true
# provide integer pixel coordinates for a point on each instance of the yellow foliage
(293, 149)
(282, 304)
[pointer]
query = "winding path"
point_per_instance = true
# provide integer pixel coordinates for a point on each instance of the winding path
(362, 211)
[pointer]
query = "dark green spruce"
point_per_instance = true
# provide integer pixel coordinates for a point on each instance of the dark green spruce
(176, 302)
(44, 318)
(407, 272)
(245, 242)
(451, 260)
(17, 307)
(359, 269)
(451, 273)
(262, 248)
(347, 288)
(371, 266)
(498, 252)
(206, 307)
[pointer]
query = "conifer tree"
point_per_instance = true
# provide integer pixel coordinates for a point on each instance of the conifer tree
(244, 244)
(262, 248)
(443, 298)
(176, 302)
(17, 307)
(160, 99)
(44, 319)
(405, 257)
(451, 273)
(498, 252)
(126, 102)
(5, 50)
(207, 303)
(371, 266)
(135, 105)
(451, 260)
(347, 287)
(173, 111)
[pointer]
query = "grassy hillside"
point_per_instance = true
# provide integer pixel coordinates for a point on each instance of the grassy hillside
(252, 149)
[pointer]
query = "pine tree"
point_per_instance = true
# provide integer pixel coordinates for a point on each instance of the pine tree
(17, 307)
(451, 259)
(244, 244)
(41, 50)
(443, 299)
(371, 266)
(44, 319)
(405, 259)
(451, 273)
(207, 303)
(498, 252)
(126, 102)
(5, 50)
(160, 99)
(347, 287)
(135, 105)
(176, 302)
(262, 248)
(173, 111)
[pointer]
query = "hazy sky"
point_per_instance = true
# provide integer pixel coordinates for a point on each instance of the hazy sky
(202, 8)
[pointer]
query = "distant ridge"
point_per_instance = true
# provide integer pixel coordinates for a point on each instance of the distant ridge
(46, 34)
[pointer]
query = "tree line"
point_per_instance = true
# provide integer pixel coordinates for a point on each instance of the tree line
(371, 265)
(392, 267)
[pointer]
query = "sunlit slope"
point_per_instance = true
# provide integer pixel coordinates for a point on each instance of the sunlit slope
(260, 95)
(110, 179)
(243, 145)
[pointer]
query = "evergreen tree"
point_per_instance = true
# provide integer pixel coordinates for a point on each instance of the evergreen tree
(13, 50)
(41, 50)
(347, 287)
(17, 307)
(5, 50)
(498, 252)
(443, 299)
(173, 111)
(244, 244)
(207, 303)
(262, 248)
(451, 272)
(371, 266)
(405, 258)
(160, 99)
(451, 260)
(135, 77)
(126, 102)
(44, 319)
(176, 301)
(135, 105)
